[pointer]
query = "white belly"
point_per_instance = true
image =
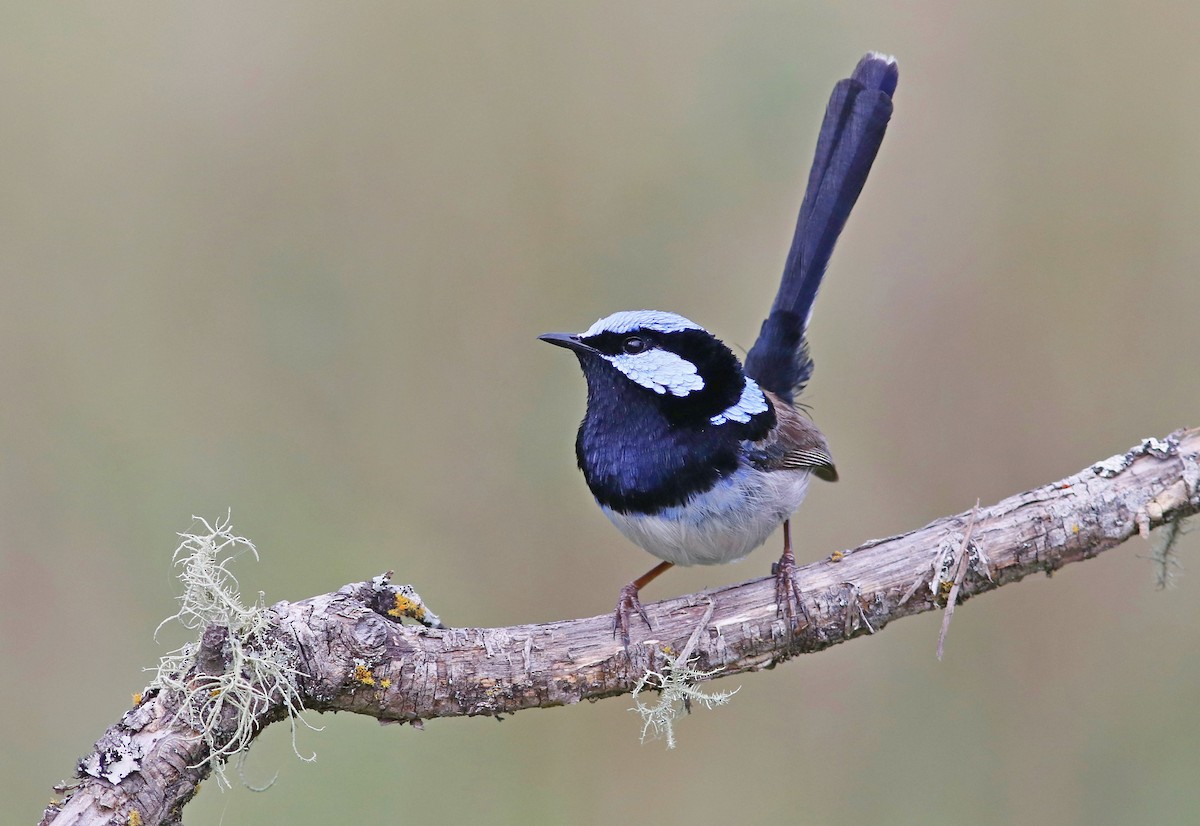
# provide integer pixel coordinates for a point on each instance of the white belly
(722, 525)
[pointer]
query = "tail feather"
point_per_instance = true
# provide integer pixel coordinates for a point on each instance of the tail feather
(855, 121)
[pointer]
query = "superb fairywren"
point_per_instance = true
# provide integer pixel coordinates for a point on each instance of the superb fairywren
(693, 456)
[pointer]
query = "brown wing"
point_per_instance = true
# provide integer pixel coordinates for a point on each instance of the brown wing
(795, 444)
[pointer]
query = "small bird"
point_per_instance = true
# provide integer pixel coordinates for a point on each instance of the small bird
(694, 456)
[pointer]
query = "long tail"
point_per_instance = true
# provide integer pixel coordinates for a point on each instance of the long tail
(855, 121)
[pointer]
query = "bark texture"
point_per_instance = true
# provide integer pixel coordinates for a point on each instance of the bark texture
(360, 658)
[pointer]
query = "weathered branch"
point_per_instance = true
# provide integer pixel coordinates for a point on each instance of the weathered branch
(358, 657)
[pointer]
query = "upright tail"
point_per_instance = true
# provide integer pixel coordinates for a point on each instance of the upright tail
(855, 121)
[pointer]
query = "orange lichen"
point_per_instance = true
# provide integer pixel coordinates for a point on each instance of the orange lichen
(137, 698)
(836, 556)
(406, 607)
(135, 818)
(385, 683)
(363, 675)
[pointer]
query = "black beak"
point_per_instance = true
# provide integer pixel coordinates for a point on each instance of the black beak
(569, 340)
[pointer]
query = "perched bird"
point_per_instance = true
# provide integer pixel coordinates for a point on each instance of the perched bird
(695, 457)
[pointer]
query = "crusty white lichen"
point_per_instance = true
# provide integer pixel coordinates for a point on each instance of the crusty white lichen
(676, 686)
(259, 672)
(114, 762)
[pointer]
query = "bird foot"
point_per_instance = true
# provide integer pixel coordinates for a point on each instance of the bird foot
(628, 604)
(788, 600)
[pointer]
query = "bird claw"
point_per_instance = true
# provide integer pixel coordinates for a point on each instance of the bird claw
(788, 600)
(627, 605)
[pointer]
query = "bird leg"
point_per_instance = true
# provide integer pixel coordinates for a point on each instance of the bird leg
(787, 588)
(628, 602)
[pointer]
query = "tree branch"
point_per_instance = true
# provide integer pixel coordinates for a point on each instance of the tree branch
(354, 655)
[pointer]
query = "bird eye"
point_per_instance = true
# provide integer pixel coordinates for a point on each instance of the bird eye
(633, 345)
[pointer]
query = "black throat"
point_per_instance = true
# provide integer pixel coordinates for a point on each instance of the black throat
(642, 452)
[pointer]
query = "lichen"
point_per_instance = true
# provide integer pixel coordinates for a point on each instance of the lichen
(1163, 553)
(362, 673)
(406, 607)
(676, 686)
(259, 672)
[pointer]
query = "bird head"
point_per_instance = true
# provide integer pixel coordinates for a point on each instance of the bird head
(648, 359)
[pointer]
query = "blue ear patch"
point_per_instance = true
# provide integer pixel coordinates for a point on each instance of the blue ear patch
(751, 403)
(659, 370)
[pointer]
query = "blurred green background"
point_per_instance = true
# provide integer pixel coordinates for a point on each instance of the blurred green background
(292, 258)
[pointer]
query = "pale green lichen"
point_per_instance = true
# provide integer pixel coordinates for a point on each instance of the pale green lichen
(676, 686)
(1163, 553)
(260, 673)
